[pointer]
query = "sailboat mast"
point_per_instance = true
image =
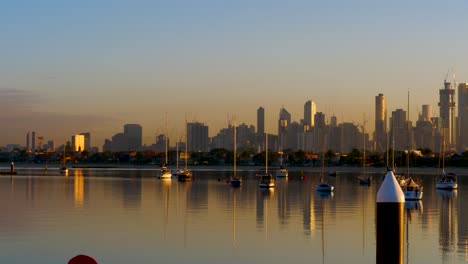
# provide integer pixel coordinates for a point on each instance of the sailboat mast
(266, 153)
(235, 148)
(165, 138)
(408, 138)
(364, 142)
(186, 144)
(323, 152)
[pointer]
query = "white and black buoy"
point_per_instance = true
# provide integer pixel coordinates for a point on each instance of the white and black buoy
(390, 210)
(12, 168)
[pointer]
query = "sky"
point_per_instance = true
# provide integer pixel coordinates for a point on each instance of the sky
(68, 67)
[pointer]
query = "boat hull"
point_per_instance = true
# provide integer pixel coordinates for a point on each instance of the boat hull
(446, 185)
(413, 195)
(323, 188)
(236, 182)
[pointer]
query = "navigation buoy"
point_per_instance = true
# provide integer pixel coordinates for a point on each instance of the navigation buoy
(82, 259)
(390, 210)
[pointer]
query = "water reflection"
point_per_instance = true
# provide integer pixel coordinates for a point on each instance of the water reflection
(193, 214)
(79, 188)
(448, 224)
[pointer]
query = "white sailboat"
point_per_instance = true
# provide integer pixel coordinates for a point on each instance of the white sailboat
(323, 186)
(411, 189)
(447, 181)
(282, 172)
(164, 172)
(64, 168)
(364, 180)
(235, 181)
(185, 174)
(266, 179)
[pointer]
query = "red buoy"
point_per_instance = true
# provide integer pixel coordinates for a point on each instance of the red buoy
(82, 259)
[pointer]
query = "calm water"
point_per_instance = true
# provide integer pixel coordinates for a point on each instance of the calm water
(129, 216)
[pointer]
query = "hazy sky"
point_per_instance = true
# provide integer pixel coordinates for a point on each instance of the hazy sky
(76, 66)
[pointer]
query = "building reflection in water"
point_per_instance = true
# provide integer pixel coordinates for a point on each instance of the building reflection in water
(264, 197)
(448, 225)
(78, 185)
(412, 209)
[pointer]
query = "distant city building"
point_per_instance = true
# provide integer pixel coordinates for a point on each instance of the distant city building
(380, 133)
(319, 119)
(260, 121)
(87, 136)
(333, 121)
(78, 142)
(426, 113)
(309, 112)
(283, 121)
(107, 145)
(134, 133)
(33, 140)
(425, 130)
(197, 134)
(447, 113)
(28, 144)
(50, 145)
(260, 129)
(160, 145)
(463, 117)
(401, 130)
(119, 142)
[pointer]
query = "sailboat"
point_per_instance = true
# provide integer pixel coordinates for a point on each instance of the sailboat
(164, 172)
(266, 179)
(447, 181)
(363, 179)
(185, 174)
(323, 186)
(235, 181)
(64, 168)
(411, 189)
(282, 172)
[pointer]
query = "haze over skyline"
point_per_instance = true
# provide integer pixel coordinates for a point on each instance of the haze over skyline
(71, 67)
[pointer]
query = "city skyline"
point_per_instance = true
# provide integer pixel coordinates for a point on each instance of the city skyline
(73, 67)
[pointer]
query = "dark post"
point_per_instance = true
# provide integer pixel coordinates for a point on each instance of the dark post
(390, 231)
(12, 168)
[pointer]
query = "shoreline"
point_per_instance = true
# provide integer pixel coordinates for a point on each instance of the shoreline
(5, 168)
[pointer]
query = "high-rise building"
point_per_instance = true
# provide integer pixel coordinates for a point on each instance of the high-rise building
(426, 113)
(447, 113)
(309, 112)
(134, 133)
(380, 123)
(197, 137)
(28, 144)
(87, 136)
(462, 117)
(33, 140)
(283, 123)
(260, 121)
(399, 130)
(260, 137)
(319, 119)
(78, 142)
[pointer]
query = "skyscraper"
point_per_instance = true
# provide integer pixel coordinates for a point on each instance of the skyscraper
(309, 112)
(134, 133)
(78, 142)
(426, 113)
(260, 121)
(33, 140)
(462, 116)
(197, 137)
(447, 117)
(87, 142)
(28, 146)
(380, 123)
(283, 121)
